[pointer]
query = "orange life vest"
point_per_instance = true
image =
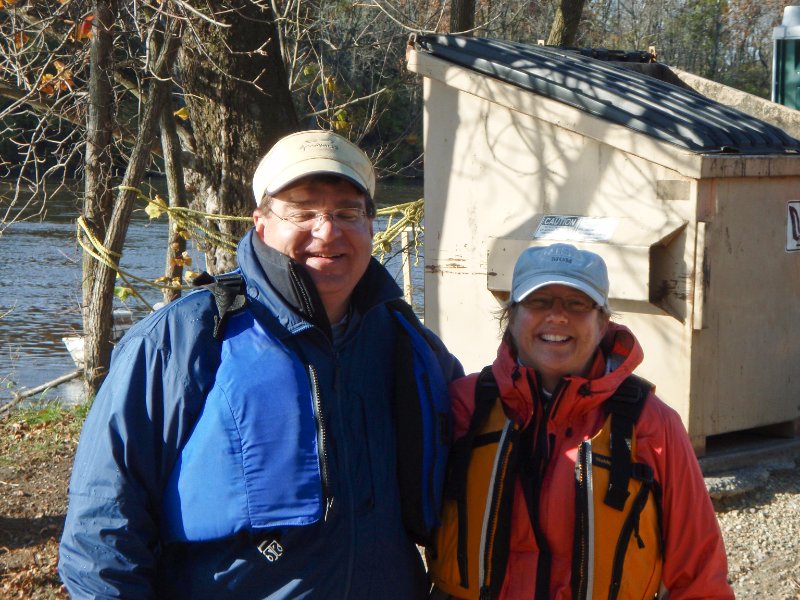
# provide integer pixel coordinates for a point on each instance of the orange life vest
(617, 547)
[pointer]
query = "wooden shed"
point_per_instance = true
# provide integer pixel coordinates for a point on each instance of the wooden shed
(694, 206)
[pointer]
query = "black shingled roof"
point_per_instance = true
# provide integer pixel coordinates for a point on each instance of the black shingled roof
(645, 104)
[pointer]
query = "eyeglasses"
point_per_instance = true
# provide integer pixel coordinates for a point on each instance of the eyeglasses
(576, 306)
(344, 218)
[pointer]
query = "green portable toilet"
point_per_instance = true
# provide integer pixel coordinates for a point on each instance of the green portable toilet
(786, 59)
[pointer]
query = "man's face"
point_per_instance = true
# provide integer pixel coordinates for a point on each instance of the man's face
(335, 252)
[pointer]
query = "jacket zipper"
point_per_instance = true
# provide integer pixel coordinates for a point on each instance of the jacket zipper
(322, 439)
(555, 399)
(630, 526)
(542, 449)
(584, 523)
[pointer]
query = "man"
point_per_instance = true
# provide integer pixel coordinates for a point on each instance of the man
(257, 452)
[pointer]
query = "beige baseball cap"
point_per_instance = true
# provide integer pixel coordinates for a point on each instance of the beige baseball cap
(308, 153)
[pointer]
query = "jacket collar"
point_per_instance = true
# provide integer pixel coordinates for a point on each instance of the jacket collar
(616, 358)
(279, 288)
(292, 283)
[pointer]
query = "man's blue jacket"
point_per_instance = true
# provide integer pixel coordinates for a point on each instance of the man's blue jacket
(197, 451)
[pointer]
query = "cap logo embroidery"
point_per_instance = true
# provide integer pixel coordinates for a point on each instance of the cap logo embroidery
(319, 145)
(560, 264)
(560, 255)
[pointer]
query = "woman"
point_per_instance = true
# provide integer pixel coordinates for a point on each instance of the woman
(569, 478)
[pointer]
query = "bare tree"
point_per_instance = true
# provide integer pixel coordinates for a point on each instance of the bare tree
(176, 249)
(565, 23)
(236, 89)
(230, 76)
(462, 16)
(97, 348)
(43, 52)
(728, 41)
(98, 199)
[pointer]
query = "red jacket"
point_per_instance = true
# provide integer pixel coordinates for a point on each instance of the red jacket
(695, 565)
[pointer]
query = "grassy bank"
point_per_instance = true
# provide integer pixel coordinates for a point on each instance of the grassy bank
(37, 445)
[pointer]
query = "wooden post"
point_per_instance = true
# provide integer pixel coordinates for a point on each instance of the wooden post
(408, 289)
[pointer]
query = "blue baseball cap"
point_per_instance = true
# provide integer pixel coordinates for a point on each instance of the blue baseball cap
(561, 264)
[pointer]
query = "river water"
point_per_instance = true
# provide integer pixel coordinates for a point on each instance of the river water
(40, 274)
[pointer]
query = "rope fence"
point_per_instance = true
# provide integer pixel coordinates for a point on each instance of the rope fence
(401, 220)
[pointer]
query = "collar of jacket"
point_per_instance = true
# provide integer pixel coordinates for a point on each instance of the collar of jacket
(616, 358)
(292, 282)
(285, 289)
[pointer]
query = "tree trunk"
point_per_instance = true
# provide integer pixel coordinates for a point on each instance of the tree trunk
(97, 203)
(462, 16)
(97, 349)
(238, 97)
(564, 31)
(171, 147)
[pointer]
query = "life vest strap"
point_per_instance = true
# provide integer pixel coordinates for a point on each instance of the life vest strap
(625, 406)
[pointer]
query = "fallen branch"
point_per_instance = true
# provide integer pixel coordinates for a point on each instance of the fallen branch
(21, 395)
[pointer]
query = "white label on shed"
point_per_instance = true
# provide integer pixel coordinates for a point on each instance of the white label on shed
(575, 228)
(793, 226)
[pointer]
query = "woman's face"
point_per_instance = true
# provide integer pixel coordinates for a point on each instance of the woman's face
(559, 340)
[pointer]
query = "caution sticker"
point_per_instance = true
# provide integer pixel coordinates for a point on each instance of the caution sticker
(793, 226)
(575, 228)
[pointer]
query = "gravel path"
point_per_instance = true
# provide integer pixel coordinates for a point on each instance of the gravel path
(762, 535)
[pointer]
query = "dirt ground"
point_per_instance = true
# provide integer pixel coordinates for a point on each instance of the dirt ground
(36, 452)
